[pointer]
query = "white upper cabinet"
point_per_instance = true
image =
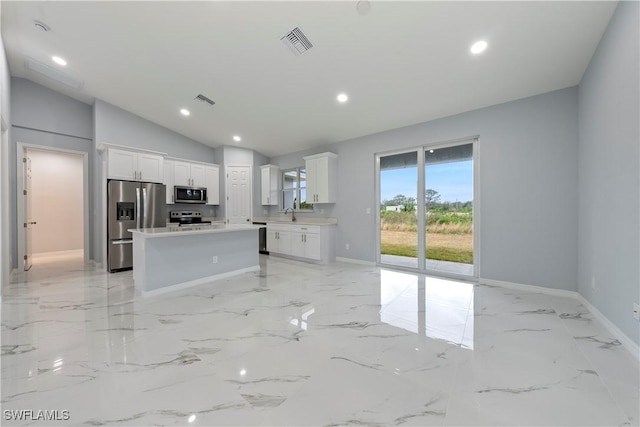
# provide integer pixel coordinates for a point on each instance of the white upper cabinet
(182, 174)
(212, 183)
(197, 175)
(134, 166)
(150, 167)
(168, 180)
(187, 174)
(269, 181)
(322, 178)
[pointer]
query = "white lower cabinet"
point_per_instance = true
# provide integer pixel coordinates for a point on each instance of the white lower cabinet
(279, 241)
(309, 242)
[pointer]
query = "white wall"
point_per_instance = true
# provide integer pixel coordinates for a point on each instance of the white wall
(44, 117)
(5, 117)
(609, 171)
(528, 184)
(56, 201)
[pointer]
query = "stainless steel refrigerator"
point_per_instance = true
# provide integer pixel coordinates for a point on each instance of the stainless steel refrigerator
(131, 205)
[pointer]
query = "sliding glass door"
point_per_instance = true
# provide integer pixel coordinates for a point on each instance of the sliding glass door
(448, 175)
(426, 202)
(398, 209)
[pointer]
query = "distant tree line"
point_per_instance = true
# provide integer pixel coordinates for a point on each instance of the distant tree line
(432, 201)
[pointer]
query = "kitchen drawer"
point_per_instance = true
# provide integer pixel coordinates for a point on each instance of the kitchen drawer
(293, 227)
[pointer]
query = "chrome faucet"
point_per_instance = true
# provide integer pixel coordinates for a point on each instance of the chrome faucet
(293, 214)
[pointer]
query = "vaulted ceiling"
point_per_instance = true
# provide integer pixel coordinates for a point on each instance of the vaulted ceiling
(400, 63)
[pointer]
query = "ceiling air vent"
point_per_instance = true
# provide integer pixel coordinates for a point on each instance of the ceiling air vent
(204, 100)
(297, 41)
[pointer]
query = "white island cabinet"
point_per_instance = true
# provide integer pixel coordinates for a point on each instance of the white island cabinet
(171, 258)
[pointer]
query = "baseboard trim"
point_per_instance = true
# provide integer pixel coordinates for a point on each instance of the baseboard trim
(530, 288)
(627, 342)
(191, 283)
(59, 253)
(355, 261)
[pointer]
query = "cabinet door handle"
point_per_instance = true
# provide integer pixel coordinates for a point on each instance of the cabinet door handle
(302, 237)
(140, 173)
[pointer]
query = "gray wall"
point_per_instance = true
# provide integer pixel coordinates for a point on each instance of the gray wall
(114, 125)
(47, 118)
(5, 101)
(528, 186)
(609, 212)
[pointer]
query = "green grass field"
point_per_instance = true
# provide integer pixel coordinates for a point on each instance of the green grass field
(440, 253)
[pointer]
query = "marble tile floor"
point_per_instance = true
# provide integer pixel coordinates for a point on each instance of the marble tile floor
(300, 344)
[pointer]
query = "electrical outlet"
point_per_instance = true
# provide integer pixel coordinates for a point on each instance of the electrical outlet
(636, 311)
(346, 246)
(593, 282)
(321, 211)
(368, 211)
(214, 260)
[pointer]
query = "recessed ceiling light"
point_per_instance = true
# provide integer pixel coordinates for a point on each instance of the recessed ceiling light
(184, 112)
(59, 60)
(479, 47)
(236, 138)
(343, 97)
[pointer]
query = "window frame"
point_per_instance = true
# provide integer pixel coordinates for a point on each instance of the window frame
(297, 190)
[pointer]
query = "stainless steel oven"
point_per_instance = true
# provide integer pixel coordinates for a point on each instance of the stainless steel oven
(190, 195)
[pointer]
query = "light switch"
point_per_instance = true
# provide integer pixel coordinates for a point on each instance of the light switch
(368, 211)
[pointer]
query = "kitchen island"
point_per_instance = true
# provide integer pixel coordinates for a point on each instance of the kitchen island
(171, 258)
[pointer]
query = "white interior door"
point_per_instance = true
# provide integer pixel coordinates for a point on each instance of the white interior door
(29, 222)
(239, 194)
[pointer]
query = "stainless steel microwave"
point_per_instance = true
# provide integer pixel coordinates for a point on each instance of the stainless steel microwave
(190, 195)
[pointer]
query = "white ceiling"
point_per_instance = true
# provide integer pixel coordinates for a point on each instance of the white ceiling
(401, 63)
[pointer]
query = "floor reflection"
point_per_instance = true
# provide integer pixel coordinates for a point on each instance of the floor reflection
(434, 307)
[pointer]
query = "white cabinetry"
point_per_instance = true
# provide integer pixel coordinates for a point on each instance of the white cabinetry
(212, 183)
(307, 242)
(188, 174)
(269, 181)
(279, 241)
(168, 180)
(322, 179)
(134, 166)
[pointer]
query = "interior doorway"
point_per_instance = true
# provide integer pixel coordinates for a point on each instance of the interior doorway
(238, 206)
(52, 206)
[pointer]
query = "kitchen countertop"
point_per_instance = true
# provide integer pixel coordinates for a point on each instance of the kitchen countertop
(191, 230)
(298, 221)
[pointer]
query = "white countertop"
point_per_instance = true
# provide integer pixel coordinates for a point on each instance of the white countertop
(299, 221)
(191, 230)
